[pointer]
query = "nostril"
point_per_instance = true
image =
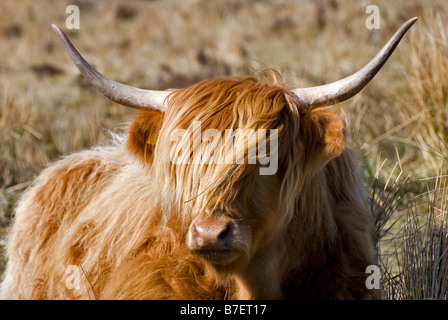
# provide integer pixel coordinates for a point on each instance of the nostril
(225, 233)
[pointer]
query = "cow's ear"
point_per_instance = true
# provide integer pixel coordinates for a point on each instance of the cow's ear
(143, 134)
(329, 134)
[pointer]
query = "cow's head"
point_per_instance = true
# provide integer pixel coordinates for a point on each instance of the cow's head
(233, 204)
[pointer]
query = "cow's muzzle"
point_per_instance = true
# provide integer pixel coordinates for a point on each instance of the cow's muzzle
(218, 240)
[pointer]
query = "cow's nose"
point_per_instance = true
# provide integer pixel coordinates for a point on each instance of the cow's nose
(211, 234)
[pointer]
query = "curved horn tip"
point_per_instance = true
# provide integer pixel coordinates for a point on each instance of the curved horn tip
(410, 22)
(56, 28)
(116, 91)
(346, 88)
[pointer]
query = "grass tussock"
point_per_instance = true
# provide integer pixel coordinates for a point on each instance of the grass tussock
(411, 235)
(399, 122)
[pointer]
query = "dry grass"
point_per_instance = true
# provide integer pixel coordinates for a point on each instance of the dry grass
(412, 235)
(47, 110)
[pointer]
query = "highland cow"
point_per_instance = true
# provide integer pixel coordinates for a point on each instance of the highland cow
(125, 221)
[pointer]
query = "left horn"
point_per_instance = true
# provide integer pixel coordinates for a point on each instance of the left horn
(346, 88)
(116, 91)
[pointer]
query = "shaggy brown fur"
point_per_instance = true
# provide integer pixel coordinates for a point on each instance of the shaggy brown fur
(121, 213)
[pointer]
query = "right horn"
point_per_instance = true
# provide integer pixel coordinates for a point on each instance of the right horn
(346, 88)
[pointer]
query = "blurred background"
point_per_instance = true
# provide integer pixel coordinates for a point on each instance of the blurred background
(398, 122)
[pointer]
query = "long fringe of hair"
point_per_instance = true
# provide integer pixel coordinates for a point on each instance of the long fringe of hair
(255, 103)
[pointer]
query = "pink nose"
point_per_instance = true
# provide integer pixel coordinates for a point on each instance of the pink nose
(212, 234)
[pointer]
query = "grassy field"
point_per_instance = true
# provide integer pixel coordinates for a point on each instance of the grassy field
(399, 123)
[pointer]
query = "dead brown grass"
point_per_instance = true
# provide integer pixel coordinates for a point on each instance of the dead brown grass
(47, 110)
